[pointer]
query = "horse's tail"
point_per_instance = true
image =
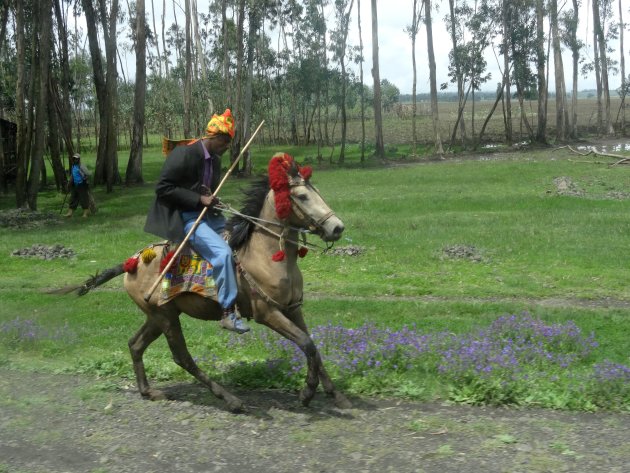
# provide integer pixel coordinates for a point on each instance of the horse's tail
(91, 283)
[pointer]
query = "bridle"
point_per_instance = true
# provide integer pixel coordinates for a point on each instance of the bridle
(315, 226)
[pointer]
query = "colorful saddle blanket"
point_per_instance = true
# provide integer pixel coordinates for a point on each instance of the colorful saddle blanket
(190, 273)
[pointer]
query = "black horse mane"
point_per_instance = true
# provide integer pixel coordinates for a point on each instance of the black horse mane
(240, 228)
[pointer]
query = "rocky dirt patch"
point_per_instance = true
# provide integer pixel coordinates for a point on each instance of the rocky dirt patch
(24, 218)
(77, 424)
(44, 252)
(566, 186)
(349, 250)
(467, 252)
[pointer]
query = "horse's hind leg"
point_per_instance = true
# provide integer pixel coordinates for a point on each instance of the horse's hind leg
(145, 335)
(341, 401)
(173, 331)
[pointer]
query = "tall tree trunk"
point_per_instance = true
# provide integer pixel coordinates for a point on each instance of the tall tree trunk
(458, 70)
(99, 86)
(133, 174)
(598, 82)
(62, 99)
(362, 91)
(432, 79)
(20, 110)
(622, 66)
(111, 88)
(378, 116)
(561, 95)
(201, 57)
(344, 24)
(237, 106)
(226, 53)
(506, 19)
(541, 129)
(254, 19)
(500, 89)
(37, 158)
(53, 144)
(188, 75)
(164, 37)
(415, 24)
(155, 38)
(575, 56)
(601, 41)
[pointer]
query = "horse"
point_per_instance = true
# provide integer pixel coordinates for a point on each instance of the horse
(264, 236)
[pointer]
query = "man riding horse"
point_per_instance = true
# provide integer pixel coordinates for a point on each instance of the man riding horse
(189, 176)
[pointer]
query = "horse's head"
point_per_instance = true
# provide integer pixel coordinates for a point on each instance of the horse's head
(298, 201)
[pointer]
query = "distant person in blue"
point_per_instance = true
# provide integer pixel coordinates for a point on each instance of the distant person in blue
(80, 191)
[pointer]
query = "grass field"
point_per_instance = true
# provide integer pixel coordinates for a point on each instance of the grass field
(450, 250)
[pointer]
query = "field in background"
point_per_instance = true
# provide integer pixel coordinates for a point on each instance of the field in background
(397, 129)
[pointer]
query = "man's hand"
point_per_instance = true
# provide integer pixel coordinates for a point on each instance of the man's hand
(209, 201)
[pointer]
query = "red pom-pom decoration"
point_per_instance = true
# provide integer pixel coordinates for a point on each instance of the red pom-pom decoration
(302, 252)
(279, 182)
(131, 265)
(306, 172)
(278, 256)
(166, 259)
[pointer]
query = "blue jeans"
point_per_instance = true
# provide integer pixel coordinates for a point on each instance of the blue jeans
(209, 243)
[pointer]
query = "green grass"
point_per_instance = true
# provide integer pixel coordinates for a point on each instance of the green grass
(535, 247)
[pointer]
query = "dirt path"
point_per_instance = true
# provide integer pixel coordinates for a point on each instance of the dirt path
(67, 424)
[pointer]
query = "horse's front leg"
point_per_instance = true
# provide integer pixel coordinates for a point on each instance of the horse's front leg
(341, 401)
(277, 321)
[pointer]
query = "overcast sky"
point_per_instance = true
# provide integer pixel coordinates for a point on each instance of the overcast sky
(395, 45)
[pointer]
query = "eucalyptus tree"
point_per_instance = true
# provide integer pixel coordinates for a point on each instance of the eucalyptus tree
(601, 14)
(622, 62)
(378, 115)
(20, 108)
(507, 10)
(359, 60)
(133, 174)
(562, 117)
(42, 36)
(541, 61)
(106, 171)
(523, 48)
(569, 21)
(432, 79)
(455, 61)
(339, 39)
(412, 30)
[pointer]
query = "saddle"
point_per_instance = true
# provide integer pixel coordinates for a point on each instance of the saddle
(189, 273)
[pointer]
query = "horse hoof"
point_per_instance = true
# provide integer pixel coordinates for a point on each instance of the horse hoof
(342, 402)
(154, 395)
(306, 396)
(235, 406)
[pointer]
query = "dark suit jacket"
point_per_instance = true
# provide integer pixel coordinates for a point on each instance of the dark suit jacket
(178, 189)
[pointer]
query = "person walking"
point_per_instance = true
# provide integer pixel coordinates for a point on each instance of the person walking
(79, 187)
(191, 173)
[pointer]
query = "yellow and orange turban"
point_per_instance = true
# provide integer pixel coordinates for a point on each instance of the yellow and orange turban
(221, 124)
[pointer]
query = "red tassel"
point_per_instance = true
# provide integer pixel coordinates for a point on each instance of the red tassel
(131, 265)
(278, 256)
(166, 259)
(306, 172)
(302, 252)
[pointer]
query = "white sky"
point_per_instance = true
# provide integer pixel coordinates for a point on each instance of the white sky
(395, 45)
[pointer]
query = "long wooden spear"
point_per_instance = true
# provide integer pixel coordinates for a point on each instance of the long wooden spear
(148, 295)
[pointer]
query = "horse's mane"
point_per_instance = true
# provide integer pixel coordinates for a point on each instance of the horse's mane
(240, 228)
